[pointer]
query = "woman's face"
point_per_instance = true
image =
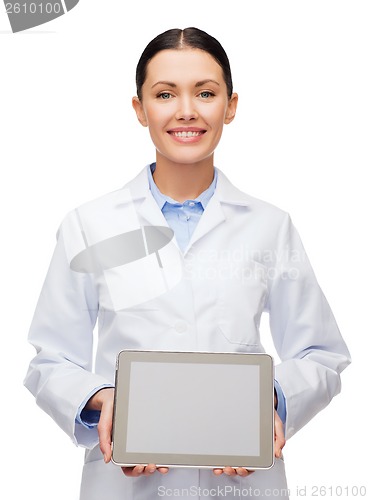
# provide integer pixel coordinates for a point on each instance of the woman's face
(185, 105)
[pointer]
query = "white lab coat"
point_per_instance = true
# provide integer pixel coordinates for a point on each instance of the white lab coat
(244, 258)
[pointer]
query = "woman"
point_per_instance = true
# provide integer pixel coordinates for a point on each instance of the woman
(232, 258)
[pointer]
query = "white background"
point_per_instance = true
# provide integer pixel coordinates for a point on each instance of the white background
(68, 134)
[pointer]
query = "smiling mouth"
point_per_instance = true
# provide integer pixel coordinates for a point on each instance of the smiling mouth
(187, 135)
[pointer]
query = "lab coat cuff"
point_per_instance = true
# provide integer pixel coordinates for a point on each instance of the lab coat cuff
(89, 418)
(281, 403)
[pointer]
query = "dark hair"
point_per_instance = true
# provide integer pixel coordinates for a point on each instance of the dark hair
(180, 39)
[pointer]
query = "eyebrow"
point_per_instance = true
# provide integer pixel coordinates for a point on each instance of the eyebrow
(203, 82)
(169, 84)
(198, 84)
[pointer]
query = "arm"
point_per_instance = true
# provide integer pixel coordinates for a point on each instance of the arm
(60, 375)
(305, 334)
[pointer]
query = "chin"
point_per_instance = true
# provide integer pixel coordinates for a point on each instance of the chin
(188, 158)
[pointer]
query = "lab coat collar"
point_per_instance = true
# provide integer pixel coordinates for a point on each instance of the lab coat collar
(213, 215)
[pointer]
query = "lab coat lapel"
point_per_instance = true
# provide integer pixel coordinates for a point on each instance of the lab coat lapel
(147, 209)
(214, 214)
(150, 214)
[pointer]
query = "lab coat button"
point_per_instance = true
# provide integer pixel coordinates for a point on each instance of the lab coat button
(180, 326)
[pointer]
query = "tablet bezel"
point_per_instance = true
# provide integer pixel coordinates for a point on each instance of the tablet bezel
(121, 403)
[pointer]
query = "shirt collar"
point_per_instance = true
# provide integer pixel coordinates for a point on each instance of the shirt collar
(161, 198)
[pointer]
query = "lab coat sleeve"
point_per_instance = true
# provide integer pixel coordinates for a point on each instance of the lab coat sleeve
(305, 333)
(60, 375)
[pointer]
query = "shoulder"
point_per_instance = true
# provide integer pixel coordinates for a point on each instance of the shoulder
(106, 215)
(109, 202)
(95, 207)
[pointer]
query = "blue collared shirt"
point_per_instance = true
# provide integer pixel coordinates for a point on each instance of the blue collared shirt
(181, 217)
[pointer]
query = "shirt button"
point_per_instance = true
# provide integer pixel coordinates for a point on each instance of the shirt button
(191, 203)
(181, 326)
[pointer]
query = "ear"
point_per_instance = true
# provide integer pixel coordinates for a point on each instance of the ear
(138, 108)
(231, 109)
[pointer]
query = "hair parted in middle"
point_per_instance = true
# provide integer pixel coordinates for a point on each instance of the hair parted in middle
(177, 39)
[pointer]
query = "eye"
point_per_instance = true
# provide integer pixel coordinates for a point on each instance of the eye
(206, 94)
(164, 95)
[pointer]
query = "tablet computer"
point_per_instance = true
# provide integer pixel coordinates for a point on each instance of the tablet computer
(193, 409)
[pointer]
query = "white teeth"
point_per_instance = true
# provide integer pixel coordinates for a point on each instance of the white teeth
(186, 134)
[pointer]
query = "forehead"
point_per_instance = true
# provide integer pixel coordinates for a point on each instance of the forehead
(183, 65)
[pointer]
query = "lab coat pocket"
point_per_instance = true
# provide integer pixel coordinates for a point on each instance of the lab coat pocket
(241, 295)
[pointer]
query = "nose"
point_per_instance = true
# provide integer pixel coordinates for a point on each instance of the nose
(186, 109)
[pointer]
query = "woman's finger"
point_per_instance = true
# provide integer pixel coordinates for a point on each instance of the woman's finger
(147, 470)
(163, 470)
(105, 427)
(241, 471)
(133, 471)
(279, 436)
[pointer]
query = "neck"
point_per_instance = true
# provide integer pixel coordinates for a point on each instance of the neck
(183, 181)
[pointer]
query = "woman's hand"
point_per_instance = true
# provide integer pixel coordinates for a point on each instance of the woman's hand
(279, 443)
(103, 401)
